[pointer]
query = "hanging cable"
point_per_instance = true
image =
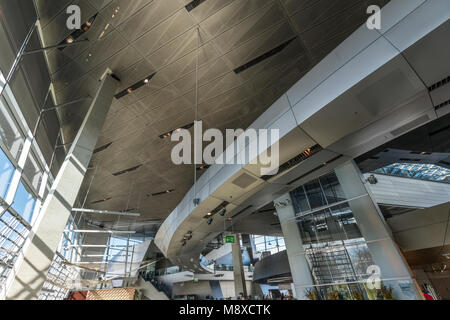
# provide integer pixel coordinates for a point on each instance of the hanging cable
(196, 110)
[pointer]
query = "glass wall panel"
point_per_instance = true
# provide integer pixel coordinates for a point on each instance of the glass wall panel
(12, 237)
(10, 134)
(33, 171)
(337, 253)
(315, 195)
(299, 200)
(331, 188)
(24, 203)
(6, 173)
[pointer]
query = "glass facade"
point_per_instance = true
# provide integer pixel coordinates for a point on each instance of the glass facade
(337, 253)
(23, 174)
(62, 275)
(428, 172)
(268, 244)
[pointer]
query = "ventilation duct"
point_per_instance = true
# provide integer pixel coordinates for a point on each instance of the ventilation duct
(127, 170)
(162, 192)
(134, 87)
(295, 161)
(193, 4)
(102, 148)
(439, 84)
(263, 57)
(79, 32)
(315, 169)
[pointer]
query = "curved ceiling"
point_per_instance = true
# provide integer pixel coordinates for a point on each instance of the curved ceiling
(139, 38)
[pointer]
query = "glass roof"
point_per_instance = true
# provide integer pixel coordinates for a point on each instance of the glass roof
(429, 172)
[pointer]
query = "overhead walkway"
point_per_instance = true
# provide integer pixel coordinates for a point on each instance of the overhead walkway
(370, 65)
(149, 291)
(273, 269)
(408, 192)
(422, 229)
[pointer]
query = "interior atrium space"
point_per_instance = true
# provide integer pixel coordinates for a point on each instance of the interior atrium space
(191, 151)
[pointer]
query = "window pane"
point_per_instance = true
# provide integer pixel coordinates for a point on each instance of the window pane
(33, 171)
(315, 194)
(299, 200)
(9, 132)
(6, 173)
(332, 188)
(24, 203)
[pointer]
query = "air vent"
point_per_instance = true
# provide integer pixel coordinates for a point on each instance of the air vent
(134, 87)
(243, 181)
(127, 170)
(193, 4)
(102, 200)
(79, 32)
(162, 192)
(315, 169)
(439, 84)
(169, 134)
(439, 131)
(443, 104)
(410, 160)
(242, 211)
(295, 161)
(263, 57)
(102, 148)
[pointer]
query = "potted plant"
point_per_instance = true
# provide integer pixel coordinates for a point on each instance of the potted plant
(387, 293)
(311, 294)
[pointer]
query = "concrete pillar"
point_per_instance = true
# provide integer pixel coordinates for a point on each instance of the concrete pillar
(238, 268)
(300, 270)
(31, 269)
(385, 253)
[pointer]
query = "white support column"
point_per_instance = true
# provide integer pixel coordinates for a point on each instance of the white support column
(385, 253)
(300, 270)
(31, 269)
(238, 269)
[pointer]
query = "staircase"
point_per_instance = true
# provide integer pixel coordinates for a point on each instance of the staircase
(149, 291)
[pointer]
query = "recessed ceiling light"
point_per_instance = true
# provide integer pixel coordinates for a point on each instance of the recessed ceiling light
(69, 40)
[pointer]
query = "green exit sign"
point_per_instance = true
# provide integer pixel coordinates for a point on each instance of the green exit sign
(229, 239)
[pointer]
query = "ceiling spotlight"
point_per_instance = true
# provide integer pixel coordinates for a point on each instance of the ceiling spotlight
(129, 90)
(210, 220)
(222, 211)
(209, 214)
(146, 80)
(69, 40)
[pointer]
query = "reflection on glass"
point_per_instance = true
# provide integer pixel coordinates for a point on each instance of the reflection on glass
(33, 171)
(6, 173)
(24, 203)
(9, 131)
(299, 200)
(315, 195)
(428, 172)
(331, 188)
